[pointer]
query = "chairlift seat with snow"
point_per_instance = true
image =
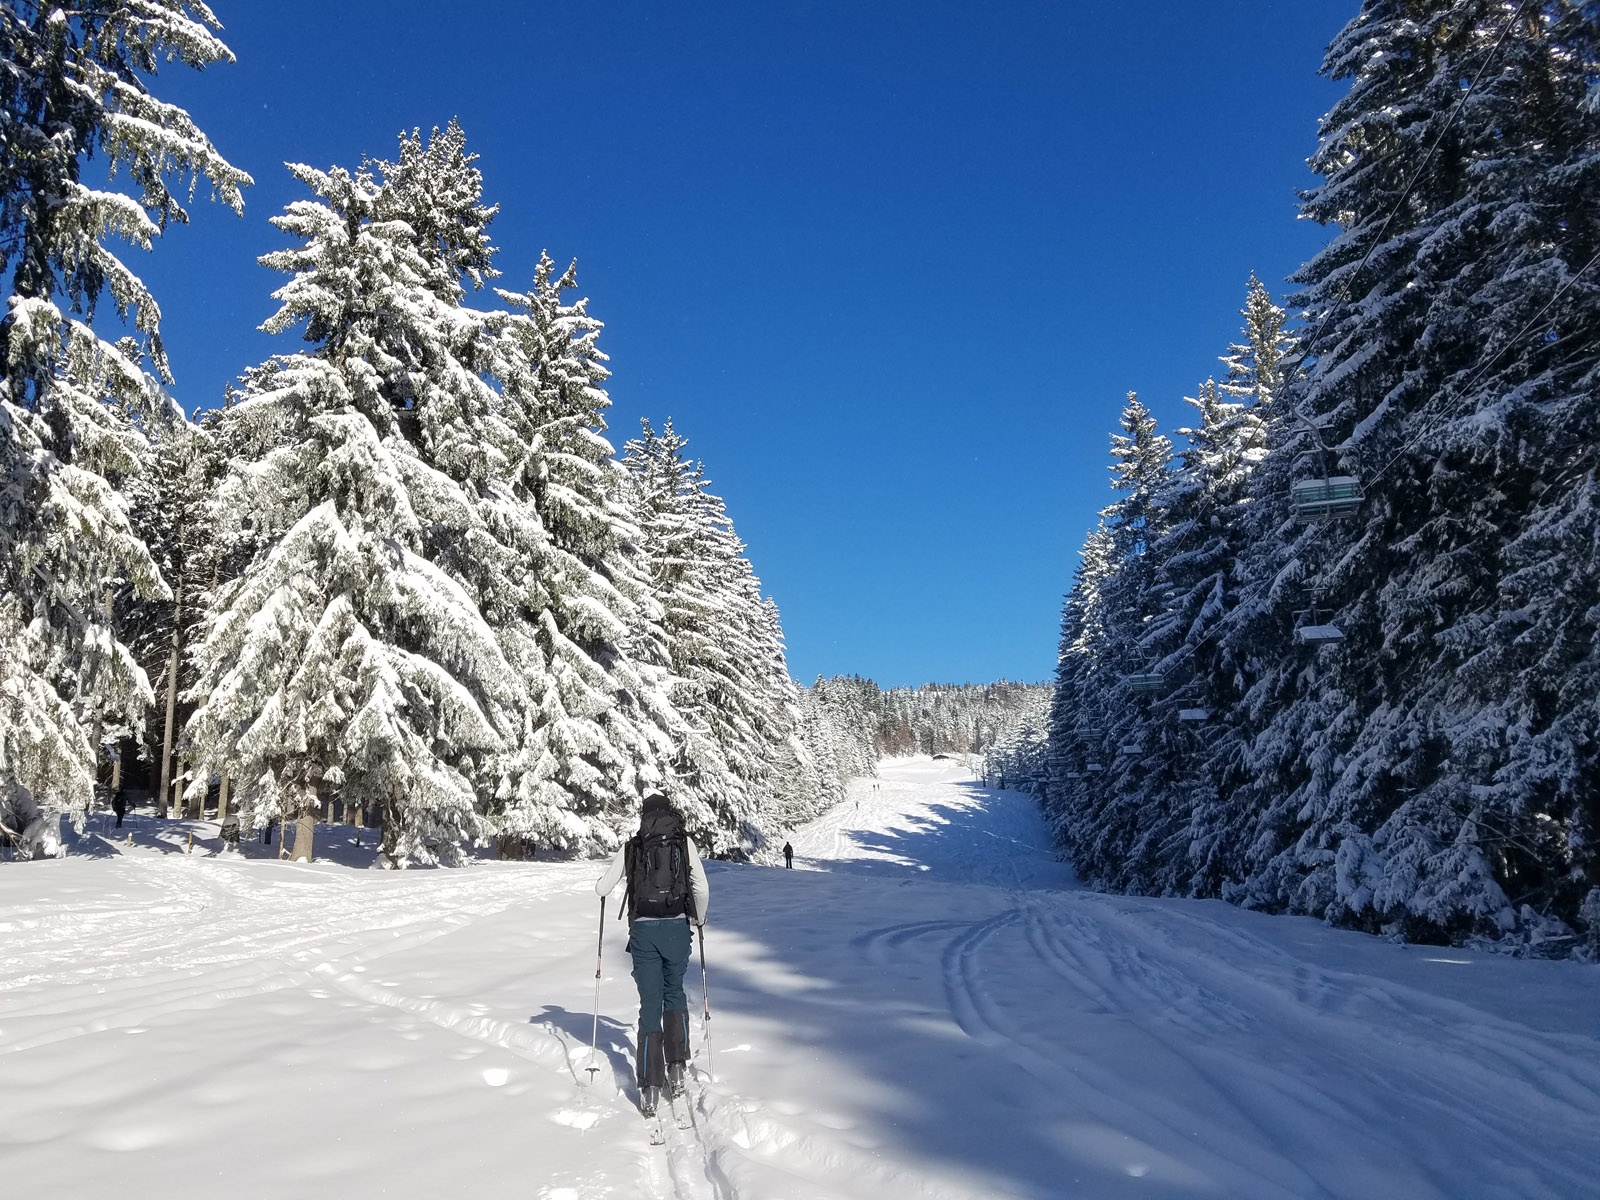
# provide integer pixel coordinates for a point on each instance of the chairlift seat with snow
(1146, 682)
(1130, 748)
(1319, 635)
(1332, 496)
(1194, 714)
(1094, 767)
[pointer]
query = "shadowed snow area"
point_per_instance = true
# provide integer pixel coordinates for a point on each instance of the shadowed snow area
(926, 1006)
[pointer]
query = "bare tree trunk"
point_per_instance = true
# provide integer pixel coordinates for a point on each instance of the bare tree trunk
(165, 786)
(305, 828)
(167, 756)
(305, 779)
(222, 799)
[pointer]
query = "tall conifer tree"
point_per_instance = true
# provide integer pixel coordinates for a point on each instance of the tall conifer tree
(74, 83)
(591, 648)
(351, 654)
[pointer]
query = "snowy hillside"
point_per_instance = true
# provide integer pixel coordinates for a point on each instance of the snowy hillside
(924, 1007)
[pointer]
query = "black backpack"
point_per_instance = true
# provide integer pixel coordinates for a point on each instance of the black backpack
(656, 862)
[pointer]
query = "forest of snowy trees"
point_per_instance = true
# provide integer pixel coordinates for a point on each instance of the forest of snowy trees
(400, 575)
(1334, 652)
(1337, 652)
(858, 722)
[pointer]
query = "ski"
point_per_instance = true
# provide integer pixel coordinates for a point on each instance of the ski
(681, 1117)
(650, 1109)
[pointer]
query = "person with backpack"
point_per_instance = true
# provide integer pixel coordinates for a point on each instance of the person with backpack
(666, 894)
(788, 856)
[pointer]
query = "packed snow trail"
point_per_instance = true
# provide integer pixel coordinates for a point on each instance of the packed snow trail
(924, 1007)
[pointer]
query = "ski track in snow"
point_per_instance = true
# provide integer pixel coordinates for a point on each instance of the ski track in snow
(927, 1006)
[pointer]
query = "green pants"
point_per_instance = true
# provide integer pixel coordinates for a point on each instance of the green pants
(660, 951)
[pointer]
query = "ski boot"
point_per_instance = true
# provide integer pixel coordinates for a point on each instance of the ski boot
(649, 1098)
(674, 1080)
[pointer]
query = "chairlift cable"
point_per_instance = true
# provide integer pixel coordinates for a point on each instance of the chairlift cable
(1218, 626)
(1465, 390)
(1379, 240)
(1405, 195)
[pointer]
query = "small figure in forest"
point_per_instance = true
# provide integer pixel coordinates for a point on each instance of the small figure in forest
(119, 805)
(788, 856)
(666, 895)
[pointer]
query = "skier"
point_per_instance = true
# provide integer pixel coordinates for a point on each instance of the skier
(788, 856)
(119, 805)
(666, 893)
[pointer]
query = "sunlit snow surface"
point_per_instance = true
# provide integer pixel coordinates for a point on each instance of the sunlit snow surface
(924, 1007)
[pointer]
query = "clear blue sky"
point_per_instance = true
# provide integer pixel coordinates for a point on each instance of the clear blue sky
(890, 266)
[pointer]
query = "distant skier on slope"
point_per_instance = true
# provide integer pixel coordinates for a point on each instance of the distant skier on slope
(666, 892)
(788, 855)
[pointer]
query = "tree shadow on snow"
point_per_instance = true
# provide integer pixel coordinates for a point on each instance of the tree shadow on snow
(893, 1015)
(921, 1015)
(953, 844)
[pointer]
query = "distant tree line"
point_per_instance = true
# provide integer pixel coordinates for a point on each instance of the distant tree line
(1339, 653)
(862, 722)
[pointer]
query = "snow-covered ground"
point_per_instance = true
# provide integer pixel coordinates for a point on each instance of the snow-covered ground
(925, 1007)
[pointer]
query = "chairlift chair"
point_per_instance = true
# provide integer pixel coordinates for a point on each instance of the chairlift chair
(1094, 768)
(1130, 748)
(1324, 497)
(1194, 714)
(1318, 635)
(1311, 630)
(1147, 682)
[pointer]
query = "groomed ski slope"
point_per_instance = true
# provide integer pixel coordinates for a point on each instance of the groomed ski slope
(924, 1007)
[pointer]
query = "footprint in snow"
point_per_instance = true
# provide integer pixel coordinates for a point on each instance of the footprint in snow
(576, 1120)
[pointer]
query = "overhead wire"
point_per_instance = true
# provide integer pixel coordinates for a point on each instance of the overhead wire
(1464, 392)
(1416, 178)
(1379, 240)
(1192, 648)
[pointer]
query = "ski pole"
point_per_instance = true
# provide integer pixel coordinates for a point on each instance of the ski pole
(705, 997)
(599, 956)
(705, 1000)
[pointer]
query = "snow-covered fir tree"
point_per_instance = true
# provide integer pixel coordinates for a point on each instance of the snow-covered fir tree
(1434, 772)
(73, 407)
(1074, 725)
(847, 716)
(586, 634)
(1429, 771)
(730, 685)
(1020, 755)
(169, 503)
(1196, 558)
(351, 653)
(1129, 598)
